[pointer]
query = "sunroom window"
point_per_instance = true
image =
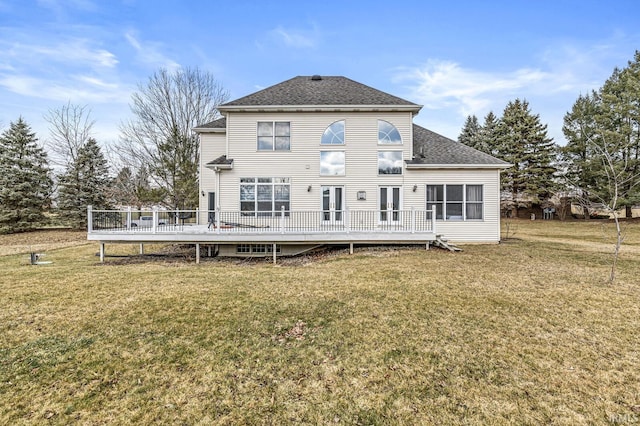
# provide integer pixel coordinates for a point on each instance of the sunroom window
(456, 202)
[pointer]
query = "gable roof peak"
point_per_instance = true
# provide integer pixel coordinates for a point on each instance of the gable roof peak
(320, 91)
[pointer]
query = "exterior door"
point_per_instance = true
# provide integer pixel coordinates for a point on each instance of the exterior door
(332, 204)
(211, 215)
(389, 204)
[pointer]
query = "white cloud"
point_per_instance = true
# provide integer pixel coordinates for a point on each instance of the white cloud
(449, 91)
(296, 38)
(71, 52)
(445, 84)
(81, 89)
(150, 53)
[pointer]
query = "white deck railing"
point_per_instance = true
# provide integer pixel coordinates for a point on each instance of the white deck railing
(217, 221)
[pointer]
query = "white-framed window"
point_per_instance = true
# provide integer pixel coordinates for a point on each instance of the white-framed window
(332, 163)
(264, 196)
(334, 134)
(456, 202)
(389, 162)
(256, 248)
(274, 136)
(388, 134)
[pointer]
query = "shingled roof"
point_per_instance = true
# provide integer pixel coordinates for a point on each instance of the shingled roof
(319, 91)
(220, 123)
(432, 149)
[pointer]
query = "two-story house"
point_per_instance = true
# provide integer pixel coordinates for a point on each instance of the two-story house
(319, 160)
(340, 148)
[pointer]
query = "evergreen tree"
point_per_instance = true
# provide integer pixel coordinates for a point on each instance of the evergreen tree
(603, 138)
(618, 118)
(523, 142)
(470, 132)
(488, 135)
(581, 163)
(85, 182)
(25, 179)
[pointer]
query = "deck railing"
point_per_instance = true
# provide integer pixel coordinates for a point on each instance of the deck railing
(283, 221)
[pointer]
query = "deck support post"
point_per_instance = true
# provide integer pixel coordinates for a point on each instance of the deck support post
(274, 253)
(427, 245)
(209, 250)
(101, 252)
(350, 248)
(141, 248)
(197, 252)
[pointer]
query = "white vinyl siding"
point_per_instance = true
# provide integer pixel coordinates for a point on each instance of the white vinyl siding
(486, 229)
(302, 163)
(302, 166)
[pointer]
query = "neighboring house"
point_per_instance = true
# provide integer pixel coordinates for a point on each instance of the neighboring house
(327, 160)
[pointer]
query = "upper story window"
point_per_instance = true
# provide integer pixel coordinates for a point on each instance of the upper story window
(274, 136)
(332, 163)
(334, 134)
(387, 133)
(389, 162)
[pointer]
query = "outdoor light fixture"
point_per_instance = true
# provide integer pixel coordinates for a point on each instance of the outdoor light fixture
(202, 192)
(415, 188)
(309, 188)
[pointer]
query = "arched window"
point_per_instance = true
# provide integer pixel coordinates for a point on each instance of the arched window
(334, 134)
(387, 133)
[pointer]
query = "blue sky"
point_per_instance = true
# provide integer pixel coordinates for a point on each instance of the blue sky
(454, 57)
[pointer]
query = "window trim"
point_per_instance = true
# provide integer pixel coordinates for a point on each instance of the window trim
(381, 143)
(333, 150)
(255, 182)
(401, 163)
(344, 131)
(273, 136)
(443, 203)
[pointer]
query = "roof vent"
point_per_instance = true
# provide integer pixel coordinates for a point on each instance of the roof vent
(316, 78)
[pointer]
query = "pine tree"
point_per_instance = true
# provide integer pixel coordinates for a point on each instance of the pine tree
(85, 182)
(581, 163)
(619, 120)
(606, 123)
(488, 135)
(25, 179)
(523, 142)
(470, 132)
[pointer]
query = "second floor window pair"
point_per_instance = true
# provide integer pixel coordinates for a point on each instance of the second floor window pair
(276, 135)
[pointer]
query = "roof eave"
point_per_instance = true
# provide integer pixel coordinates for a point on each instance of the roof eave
(458, 166)
(209, 130)
(217, 167)
(319, 108)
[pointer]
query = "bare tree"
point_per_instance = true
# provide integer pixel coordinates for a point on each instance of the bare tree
(619, 179)
(160, 136)
(69, 129)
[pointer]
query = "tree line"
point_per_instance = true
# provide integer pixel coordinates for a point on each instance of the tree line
(599, 167)
(155, 161)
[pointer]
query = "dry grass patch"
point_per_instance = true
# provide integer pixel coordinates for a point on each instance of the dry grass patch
(40, 241)
(520, 333)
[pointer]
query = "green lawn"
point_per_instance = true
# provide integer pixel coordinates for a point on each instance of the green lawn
(525, 332)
